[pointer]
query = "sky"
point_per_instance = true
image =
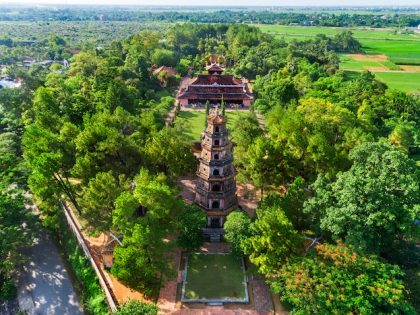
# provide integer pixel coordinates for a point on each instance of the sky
(231, 2)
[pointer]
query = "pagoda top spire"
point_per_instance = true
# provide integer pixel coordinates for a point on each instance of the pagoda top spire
(215, 117)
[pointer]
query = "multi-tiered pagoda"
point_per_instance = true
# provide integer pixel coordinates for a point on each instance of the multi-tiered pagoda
(216, 184)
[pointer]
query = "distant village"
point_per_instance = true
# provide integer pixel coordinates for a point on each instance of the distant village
(7, 81)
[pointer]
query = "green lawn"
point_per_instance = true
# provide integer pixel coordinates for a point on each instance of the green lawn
(214, 276)
(195, 120)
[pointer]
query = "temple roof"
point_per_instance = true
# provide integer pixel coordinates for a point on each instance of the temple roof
(214, 67)
(169, 70)
(213, 86)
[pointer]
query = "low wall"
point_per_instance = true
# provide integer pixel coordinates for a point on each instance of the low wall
(99, 272)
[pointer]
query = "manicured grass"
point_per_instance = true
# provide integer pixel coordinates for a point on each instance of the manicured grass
(195, 120)
(214, 276)
(408, 82)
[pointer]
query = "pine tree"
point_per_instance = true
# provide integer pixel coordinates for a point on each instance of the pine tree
(207, 113)
(223, 106)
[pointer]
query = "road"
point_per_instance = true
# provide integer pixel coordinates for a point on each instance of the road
(44, 286)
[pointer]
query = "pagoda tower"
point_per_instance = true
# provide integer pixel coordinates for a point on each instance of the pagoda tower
(215, 191)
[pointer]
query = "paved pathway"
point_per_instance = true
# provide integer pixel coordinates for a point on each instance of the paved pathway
(44, 287)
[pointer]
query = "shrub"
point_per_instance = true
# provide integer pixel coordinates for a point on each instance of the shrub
(93, 298)
(8, 290)
(137, 308)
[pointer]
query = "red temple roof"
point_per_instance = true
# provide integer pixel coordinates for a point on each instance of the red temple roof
(214, 87)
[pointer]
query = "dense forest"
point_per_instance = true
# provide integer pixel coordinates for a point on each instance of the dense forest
(95, 136)
(373, 17)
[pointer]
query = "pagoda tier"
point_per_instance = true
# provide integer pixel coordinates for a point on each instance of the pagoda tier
(216, 184)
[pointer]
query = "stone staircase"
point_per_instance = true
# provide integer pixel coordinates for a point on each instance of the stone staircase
(215, 238)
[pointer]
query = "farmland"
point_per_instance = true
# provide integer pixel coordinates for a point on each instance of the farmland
(386, 51)
(383, 33)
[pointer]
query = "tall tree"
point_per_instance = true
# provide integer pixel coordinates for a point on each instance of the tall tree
(147, 218)
(98, 202)
(274, 240)
(373, 205)
(193, 220)
(15, 232)
(293, 202)
(238, 229)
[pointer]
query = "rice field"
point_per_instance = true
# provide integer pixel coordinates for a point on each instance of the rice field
(331, 31)
(399, 49)
(388, 47)
(405, 59)
(408, 82)
(348, 62)
(390, 65)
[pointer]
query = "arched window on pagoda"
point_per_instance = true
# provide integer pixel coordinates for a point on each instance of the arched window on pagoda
(216, 129)
(216, 172)
(216, 142)
(216, 156)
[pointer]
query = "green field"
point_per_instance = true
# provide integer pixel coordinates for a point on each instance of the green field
(376, 41)
(331, 31)
(347, 62)
(405, 81)
(390, 46)
(405, 59)
(214, 276)
(408, 82)
(195, 120)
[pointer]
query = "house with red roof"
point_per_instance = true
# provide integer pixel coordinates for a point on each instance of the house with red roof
(168, 70)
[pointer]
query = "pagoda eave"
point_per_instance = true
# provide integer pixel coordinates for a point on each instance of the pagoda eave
(215, 178)
(218, 148)
(226, 211)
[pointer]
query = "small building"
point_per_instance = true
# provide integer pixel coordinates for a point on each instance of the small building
(213, 87)
(168, 70)
(75, 52)
(107, 251)
(28, 62)
(46, 63)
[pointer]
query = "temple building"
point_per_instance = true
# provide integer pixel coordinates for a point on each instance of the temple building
(214, 86)
(216, 184)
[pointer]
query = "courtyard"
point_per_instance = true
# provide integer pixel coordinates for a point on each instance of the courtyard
(214, 277)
